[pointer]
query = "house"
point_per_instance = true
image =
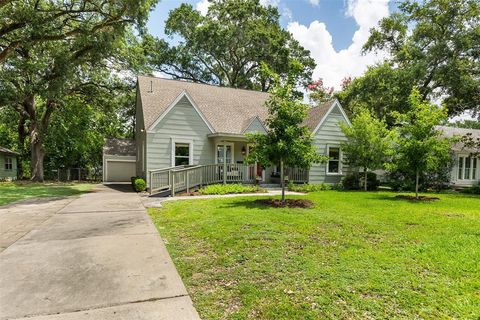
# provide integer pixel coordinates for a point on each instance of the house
(181, 123)
(8, 164)
(465, 171)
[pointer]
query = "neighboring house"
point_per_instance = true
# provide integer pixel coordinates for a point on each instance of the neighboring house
(119, 160)
(8, 164)
(465, 171)
(184, 123)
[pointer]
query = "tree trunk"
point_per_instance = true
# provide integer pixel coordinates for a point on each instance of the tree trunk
(416, 184)
(365, 178)
(22, 135)
(282, 181)
(38, 154)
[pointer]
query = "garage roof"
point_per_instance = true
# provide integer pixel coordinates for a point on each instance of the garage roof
(120, 147)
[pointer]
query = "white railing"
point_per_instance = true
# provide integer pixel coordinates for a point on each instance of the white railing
(183, 178)
(296, 175)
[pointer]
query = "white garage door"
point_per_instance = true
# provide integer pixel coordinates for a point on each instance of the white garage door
(119, 171)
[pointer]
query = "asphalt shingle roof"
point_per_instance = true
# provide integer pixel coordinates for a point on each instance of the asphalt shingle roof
(450, 132)
(227, 110)
(4, 150)
(120, 147)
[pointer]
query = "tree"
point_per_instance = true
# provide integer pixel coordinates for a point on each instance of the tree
(227, 45)
(437, 43)
(72, 53)
(319, 93)
(287, 142)
(468, 124)
(419, 145)
(368, 142)
(383, 89)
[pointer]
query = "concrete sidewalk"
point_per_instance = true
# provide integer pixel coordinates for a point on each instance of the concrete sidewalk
(98, 257)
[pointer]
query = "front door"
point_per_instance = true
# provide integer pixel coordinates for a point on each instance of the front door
(224, 153)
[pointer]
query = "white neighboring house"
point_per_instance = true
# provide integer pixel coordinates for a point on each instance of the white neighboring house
(466, 171)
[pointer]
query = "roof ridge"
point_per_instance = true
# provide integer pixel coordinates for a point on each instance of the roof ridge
(200, 83)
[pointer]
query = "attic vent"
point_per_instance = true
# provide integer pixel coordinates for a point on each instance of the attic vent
(151, 87)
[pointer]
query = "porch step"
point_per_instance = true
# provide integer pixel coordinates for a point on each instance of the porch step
(270, 185)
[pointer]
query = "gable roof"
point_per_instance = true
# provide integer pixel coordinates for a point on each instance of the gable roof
(224, 108)
(450, 132)
(9, 152)
(120, 147)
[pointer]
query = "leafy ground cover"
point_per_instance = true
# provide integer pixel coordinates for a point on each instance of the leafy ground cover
(233, 188)
(14, 191)
(355, 255)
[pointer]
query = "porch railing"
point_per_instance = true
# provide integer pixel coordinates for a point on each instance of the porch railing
(181, 178)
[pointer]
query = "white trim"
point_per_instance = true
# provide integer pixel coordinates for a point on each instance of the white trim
(256, 117)
(173, 141)
(232, 144)
(473, 160)
(173, 104)
(340, 155)
(336, 103)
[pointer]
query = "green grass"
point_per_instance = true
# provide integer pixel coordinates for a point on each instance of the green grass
(354, 256)
(14, 191)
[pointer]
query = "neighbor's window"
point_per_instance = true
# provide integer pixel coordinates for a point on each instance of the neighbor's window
(460, 167)
(334, 162)
(182, 154)
(467, 168)
(474, 169)
(8, 163)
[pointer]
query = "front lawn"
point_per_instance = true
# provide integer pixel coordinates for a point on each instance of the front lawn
(14, 191)
(354, 255)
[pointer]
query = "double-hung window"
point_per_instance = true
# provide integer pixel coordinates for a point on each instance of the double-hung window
(8, 163)
(467, 168)
(181, 154)
(334, 165)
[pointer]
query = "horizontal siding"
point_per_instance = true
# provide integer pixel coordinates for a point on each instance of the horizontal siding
(329, 134)
(8, 174)
(181, 123)
(255, 126)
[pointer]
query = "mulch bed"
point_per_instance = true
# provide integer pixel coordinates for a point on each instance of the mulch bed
(290, 203)
(420, 198)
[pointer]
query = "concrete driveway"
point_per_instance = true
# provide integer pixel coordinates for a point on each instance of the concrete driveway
(97, 256)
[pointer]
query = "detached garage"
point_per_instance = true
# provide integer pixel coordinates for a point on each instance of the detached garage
(119, 160)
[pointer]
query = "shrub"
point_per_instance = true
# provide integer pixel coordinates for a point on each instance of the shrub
(475, 189)
(354, 181)
(229, 189)
(307, 187)
(139, 185)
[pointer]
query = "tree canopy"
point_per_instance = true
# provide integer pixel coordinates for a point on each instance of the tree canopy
(227, 46)
(436, 43)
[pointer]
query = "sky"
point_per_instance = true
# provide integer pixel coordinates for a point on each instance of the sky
(333, 30)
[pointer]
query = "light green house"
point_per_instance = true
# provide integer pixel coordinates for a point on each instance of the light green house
(180, 123)
(8, 164)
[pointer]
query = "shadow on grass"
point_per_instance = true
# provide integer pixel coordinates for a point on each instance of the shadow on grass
(247, 203)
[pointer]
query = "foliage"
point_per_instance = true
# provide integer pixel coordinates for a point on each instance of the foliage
(319, 93)
(20, 190)
(76, 52)
(356, 181)
(419, 145)
(383, 89)
(368, 142)
(471, 143)
(227, 46)
(308, 187)
(230, 189)
(475, 189)
(436, 42)
(328, 262)
(467, 124)
(139, 185)
(287, 142)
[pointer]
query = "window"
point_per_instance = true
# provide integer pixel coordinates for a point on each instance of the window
(333, 165)
(224, 153)
(467, 168)
(182, 154)
(474, 168)
(460, 168)
(8, 163)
